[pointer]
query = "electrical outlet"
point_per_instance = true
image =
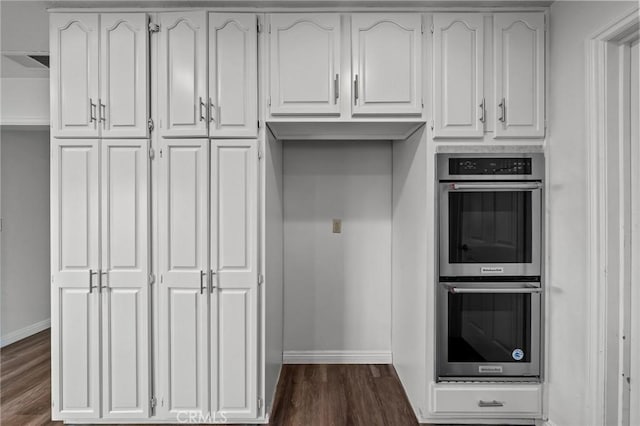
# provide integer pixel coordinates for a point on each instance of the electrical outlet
(337, 226)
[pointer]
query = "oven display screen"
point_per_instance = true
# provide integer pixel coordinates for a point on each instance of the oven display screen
(490, 166)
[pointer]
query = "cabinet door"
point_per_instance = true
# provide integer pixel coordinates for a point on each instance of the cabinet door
(124, 47)
(183, 312)
(182, 58)
(234, 259)
(74, 74)
(387, 64)
(233, 75)
(305, 64)
(519, 68)
(125, 278)
(458, 56)
(74, 266)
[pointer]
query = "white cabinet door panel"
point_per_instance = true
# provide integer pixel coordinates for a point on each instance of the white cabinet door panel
(124, 45)
(74, 74)
(74, 211)
(125, 268)
(74, 256)
(234, 219)
(182, 59)
(387, 65)
(519, 72)
(235, 352)
(183, 240)
(233, 75)
(458, 56)
(234, 210)
(305, 64)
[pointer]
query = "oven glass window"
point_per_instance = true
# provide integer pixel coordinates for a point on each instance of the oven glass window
(489, 327)
(490, 227)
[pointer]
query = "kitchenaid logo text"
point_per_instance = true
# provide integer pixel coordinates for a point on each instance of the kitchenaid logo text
(491, 270)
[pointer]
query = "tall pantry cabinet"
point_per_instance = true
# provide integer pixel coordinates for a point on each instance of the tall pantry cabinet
(204, 289)
(100, 216)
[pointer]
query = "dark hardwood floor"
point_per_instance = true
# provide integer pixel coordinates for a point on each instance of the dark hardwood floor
(307, 395)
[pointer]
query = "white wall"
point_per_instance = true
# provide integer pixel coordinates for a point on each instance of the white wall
(411, 302)
(25, 233)
(337, 286)
(571, 23)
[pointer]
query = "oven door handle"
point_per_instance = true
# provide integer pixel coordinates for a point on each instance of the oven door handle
(496, 186)
(462, 290)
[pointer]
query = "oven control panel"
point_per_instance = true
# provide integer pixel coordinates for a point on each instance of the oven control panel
(489, 166)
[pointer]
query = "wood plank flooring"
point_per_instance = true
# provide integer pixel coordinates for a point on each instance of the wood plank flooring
(307, 395)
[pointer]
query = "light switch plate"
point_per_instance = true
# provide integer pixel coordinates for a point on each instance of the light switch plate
(337, 226)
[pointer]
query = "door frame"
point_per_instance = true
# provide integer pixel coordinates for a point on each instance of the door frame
(608, 195)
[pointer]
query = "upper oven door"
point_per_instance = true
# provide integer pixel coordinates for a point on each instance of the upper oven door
(490, 229)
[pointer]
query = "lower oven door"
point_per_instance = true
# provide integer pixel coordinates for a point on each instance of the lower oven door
(489, 330)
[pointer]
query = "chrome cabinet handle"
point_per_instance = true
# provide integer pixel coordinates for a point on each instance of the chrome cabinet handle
(336, 88)
(482, 111)
(104, 274)
(91, 274)
(212, 285)
(503, 110)
(92, 110)
(355, 90)
(493, 403)
(103, 114)
(202, 274)
(202, 117)
(212, 109)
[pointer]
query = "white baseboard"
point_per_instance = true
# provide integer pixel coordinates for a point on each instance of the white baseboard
(337, 357)
(25, 332)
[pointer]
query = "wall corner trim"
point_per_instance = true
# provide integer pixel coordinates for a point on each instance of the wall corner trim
(24, 332)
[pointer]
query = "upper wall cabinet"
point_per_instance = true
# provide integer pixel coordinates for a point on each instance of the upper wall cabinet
(233, 75)
(519, 74)
(387, 69)
(305, 64)
(182, 59)
(106, 100)
(458, 57)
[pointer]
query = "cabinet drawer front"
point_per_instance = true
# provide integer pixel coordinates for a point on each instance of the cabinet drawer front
(489, 400)
(305, 60)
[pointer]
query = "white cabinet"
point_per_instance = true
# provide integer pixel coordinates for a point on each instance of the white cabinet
(386, 59)
(106, 100)
(75, 327)
(74, 74)
(459, 104)
(233, 75)
(124, 104)
(519, 74)
(183, 266)
(208, 295)
(305, 64)
(182, 74)
(125, 278)
(100, 270)
(234, 262)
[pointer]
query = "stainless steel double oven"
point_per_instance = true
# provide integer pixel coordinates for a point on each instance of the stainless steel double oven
(490, 266)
